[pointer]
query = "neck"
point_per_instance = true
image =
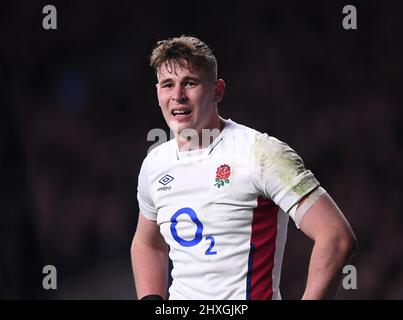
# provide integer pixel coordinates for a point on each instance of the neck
(202, 139)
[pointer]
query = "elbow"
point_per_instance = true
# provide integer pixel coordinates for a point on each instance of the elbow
(347, 243)
(341, 244)
(133, 247)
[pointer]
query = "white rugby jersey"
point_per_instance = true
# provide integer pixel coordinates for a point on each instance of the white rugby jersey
(223, 212)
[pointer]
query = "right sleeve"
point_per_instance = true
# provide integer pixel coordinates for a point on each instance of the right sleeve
(146, 204)
(280, 174)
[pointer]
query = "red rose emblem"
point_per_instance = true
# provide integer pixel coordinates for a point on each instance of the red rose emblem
(223, 172)
(222, 175)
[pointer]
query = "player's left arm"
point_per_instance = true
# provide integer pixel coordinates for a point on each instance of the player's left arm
(335, 244)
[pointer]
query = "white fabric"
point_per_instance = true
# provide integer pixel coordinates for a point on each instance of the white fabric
(261, 166)
(299, 209)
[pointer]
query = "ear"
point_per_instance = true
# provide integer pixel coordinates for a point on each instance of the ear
(157, 89)
(219, 90)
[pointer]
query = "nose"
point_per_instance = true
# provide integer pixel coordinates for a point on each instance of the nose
(179, 95)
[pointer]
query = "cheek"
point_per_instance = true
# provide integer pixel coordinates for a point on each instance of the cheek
(201, 98)
(206, 99)
(162, 100)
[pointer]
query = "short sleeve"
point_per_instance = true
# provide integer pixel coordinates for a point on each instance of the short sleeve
(146, 204)
(279, 173)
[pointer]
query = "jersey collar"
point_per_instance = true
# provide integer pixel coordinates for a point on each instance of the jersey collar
(205, 152)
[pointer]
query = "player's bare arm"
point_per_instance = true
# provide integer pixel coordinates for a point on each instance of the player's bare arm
(149, 254)
(334, 246)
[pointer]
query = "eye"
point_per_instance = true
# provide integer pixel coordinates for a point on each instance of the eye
(190, 83)
(167, 85)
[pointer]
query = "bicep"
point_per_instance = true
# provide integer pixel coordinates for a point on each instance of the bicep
(148, 233)
(325, 219)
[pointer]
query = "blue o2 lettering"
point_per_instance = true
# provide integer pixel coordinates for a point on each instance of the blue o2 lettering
(198, 235)
(210, 248)
(199, 231)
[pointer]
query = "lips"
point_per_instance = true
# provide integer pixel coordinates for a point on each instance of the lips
(181, 112)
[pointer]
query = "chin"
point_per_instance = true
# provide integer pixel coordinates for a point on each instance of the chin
(178, 126)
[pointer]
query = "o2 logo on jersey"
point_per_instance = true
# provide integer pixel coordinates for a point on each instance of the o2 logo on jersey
(199, 231)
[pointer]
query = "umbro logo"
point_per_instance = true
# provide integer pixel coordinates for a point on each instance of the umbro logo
(164, 181)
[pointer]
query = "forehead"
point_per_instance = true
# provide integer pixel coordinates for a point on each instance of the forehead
(174, 70)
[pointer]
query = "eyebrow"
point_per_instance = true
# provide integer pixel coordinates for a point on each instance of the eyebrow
(166, 80)
(187, 78)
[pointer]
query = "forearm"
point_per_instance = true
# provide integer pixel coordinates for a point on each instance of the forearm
(150, 268)
(327, 260)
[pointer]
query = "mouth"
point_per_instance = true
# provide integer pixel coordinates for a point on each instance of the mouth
(181, 112)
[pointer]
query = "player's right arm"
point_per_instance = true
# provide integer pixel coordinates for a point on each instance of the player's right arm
(149, 254)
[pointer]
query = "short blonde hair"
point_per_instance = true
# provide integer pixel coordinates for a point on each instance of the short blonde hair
(185, 51)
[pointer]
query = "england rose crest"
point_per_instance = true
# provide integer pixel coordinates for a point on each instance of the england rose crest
(222, 175)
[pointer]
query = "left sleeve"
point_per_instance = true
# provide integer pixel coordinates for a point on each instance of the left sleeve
(146, 204)
(279, 173)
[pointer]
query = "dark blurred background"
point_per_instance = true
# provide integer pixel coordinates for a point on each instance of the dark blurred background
(77, 104)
